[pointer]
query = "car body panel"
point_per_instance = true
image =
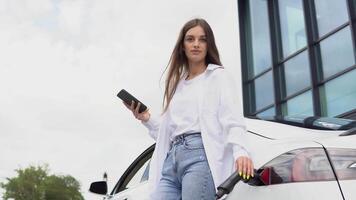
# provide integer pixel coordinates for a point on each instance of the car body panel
(276, 147)
(348, 188)
(273, 147)
(290, 191)
(268, 129)
(339, 142)
(346, 142)
(139, 191)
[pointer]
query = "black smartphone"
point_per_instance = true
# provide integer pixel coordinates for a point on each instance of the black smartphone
(127, 98)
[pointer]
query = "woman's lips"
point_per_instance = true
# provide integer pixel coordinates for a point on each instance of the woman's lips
(195, 51)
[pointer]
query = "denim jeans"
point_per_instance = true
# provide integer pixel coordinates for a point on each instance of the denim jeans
(186, 174)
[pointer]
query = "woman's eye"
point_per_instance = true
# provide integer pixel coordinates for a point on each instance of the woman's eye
(189, 39)
(203, 39)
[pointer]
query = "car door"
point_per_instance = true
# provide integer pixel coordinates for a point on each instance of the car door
(133, 183)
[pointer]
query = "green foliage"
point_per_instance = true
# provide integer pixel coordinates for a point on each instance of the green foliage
(35, 183)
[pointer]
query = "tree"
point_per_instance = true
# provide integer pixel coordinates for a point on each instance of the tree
(35, 183)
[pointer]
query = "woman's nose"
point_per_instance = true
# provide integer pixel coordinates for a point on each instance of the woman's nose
(196, 43)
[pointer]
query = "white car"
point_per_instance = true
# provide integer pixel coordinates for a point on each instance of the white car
(297, 158)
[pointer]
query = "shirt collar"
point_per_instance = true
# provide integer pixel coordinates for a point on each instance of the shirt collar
(211, 67)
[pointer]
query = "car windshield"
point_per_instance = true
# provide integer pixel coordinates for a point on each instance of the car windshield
(313, 122)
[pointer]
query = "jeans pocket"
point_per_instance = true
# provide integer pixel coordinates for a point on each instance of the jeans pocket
(193, 143)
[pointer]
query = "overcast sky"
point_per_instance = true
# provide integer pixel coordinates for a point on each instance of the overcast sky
(62, 63)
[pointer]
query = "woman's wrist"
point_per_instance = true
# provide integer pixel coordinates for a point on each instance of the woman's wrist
(148, 118)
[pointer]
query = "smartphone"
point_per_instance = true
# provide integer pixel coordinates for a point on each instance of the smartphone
(127, 98)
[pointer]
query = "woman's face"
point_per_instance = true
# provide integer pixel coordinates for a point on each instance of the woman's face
(195, 45)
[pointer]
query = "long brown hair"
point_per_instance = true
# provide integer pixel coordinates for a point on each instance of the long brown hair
(178, 62)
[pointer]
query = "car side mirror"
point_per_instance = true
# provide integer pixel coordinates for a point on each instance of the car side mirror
(99, 187)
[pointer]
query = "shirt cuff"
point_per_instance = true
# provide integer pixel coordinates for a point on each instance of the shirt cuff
(239, 151)
(151, 122)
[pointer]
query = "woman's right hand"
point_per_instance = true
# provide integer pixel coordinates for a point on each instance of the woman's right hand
(143, 116)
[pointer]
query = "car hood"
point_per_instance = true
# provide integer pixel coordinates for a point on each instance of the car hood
(279, 131)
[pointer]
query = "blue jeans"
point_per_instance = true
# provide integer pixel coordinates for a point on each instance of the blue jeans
(186, 174)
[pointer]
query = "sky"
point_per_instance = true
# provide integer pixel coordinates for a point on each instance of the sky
(62, 62)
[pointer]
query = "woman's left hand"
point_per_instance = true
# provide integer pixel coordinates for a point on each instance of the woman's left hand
(244, 166)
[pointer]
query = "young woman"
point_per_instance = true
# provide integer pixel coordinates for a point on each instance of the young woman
(200, 136)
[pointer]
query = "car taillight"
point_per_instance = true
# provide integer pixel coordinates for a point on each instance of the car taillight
(344, 162)
(308, 164)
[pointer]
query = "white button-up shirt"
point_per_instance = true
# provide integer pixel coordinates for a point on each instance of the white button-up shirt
(222, 126)
(183, 115)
